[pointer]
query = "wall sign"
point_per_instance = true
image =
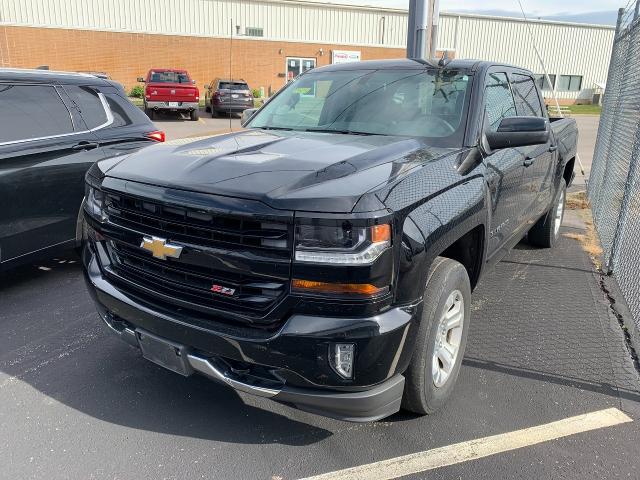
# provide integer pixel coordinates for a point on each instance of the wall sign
(344, 56)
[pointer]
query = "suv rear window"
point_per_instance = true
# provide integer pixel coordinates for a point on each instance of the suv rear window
(233, 86)
(169, 77)
(89, 104)
(32, 111)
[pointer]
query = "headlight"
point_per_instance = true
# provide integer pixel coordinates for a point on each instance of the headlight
(343, 244)
(94, 203)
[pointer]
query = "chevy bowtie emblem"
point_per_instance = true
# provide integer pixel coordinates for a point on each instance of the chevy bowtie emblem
(160, 248)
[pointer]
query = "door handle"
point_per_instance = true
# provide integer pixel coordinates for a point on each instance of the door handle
(553, 148)
(85, 146)
(528, 161)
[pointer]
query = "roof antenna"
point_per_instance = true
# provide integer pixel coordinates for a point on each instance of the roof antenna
(444, 60)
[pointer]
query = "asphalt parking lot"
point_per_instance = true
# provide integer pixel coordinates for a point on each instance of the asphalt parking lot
(544, 346)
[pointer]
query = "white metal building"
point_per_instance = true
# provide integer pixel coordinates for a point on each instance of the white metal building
(577, 55)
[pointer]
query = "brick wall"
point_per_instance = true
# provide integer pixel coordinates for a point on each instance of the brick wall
(126, 56)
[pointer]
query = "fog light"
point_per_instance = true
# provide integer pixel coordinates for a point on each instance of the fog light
(341, 358)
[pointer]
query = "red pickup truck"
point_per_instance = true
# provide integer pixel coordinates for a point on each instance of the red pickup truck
(170, 90)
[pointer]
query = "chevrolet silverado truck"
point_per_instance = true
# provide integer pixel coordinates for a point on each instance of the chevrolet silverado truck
(170, 90)
(325, 256)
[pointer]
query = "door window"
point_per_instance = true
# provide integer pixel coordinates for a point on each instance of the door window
(32, 111)
(498, 100)
(526, 96)
(86, 100)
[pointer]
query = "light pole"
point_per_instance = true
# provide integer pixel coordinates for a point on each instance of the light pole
(422, 28)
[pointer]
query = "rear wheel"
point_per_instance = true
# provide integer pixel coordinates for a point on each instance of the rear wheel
(207, 107)
(195, 114)
(546, 231)
(214, 112)
(150, 113)
(442, 338)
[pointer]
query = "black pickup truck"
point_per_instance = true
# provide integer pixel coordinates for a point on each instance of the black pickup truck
(325, 256)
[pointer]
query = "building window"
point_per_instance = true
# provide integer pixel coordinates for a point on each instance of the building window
(543, 84)
(570, 83)
(254, 32)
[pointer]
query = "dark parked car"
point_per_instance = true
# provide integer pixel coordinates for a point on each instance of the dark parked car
(53, 127)
(227, 96)
(325, 256)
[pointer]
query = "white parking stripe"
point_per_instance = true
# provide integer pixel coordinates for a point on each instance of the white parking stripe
(478, 448)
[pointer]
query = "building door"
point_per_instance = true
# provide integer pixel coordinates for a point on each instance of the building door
(297, 65)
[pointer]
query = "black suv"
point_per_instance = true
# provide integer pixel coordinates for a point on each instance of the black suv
(227, 96)
(53, 127)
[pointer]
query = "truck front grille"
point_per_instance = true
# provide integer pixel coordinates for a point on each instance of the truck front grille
(233, 268)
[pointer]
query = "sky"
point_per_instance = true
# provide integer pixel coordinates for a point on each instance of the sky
(533, 7)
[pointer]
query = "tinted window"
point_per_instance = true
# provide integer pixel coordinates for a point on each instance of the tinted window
(125, 113)
(498, 100)
(86, 100)
(526, 96)
(31, 111)
(169, 77)
(233, 86)
(415, 103)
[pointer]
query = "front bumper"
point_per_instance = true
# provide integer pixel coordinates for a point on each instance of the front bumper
(294, 357)
(179, 107)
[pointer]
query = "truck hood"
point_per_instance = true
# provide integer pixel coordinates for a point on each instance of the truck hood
(319, 172)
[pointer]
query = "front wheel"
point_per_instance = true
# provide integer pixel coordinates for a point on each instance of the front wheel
(441, 338)
(546, 231)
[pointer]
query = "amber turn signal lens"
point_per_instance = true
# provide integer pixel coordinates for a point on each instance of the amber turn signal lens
(310, 286)
(381, 233)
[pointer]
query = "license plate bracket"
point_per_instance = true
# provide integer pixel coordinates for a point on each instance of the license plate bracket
(163, 352)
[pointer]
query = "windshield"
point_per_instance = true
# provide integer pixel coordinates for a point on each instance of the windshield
(169, 77)
(416, 103)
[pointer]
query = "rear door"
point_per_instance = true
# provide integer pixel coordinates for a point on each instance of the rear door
(538, 159)
(505, 169)
(45, 149)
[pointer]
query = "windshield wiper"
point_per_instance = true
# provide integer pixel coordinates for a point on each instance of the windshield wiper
(344, 132)
(275, 128)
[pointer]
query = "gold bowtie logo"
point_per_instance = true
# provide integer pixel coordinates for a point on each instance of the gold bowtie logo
(160, 248)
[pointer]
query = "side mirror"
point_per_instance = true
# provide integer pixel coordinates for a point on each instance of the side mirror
(140, 79)
(519, 132)
(246, 116)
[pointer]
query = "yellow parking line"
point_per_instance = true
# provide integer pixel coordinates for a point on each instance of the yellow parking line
(201, 120)
(478, 448)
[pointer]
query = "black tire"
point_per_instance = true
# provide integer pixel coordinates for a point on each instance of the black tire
(207, 107)
(150, 113)
(447, 279)
(214, 112)
(544, 233)
(194, 115)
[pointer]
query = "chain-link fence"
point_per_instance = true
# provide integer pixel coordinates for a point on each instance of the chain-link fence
(614, 185)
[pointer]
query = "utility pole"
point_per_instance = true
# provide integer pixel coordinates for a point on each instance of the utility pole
(434, 20)
(417, 26)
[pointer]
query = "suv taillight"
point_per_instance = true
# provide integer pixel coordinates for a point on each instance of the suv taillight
(157, 136)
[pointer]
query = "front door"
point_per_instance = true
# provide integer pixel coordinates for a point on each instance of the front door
(505, 168)
(538, 161)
